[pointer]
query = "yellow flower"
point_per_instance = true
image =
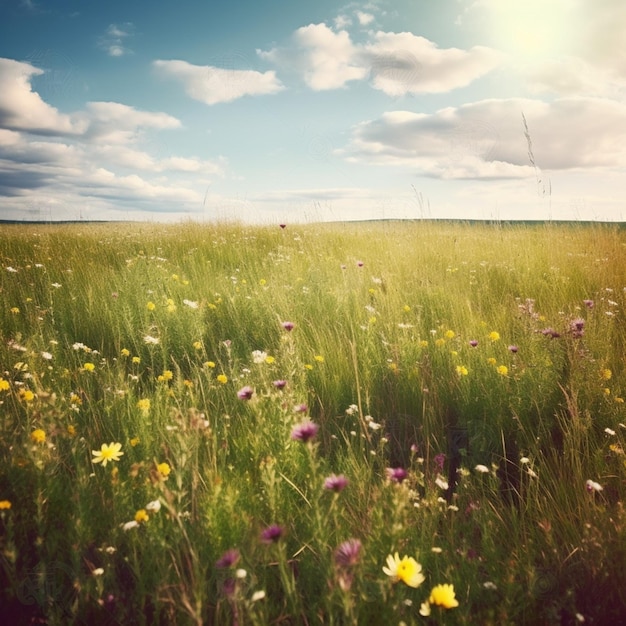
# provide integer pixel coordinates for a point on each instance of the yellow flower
(222, 378)
(503, 370)
(606, 374)
(308, 366)
(150, 306)
(164, 469)
(491, 361)
(75, 399)
(110, 452)
(141, 516)
(269, 359)
(15, 310)
(440, 342)
(209, 364)
(136, 360)
(134, 441)
(4, 385)
(494, 335)
(423, 343)
(71, 430)
(89, 367)
(5, 504)
(406, 308)
(461, 370)
(406, 569)
(197, 345)
(262, 282)
(449, 334)
(143, 405)
(443, 595)
(27, 395)
(38, 435)
(165, 376)
(125, 352)
(319, 358)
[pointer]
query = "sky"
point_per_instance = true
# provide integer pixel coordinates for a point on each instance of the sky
(275, 111)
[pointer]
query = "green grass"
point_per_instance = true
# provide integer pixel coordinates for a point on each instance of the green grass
(431, 347)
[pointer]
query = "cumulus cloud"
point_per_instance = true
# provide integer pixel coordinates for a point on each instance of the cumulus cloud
(486, 139)
(395, 63)
(213, 85)
(22, 108)
(49, 159)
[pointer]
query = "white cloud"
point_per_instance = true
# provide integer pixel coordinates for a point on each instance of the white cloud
(396, 63)
(114, 37)
(324, 58)
(364, 18)
(213, 85)
(23, 109)
(486, 139)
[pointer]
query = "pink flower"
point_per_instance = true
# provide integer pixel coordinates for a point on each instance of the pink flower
(245, 393)
(305, 431)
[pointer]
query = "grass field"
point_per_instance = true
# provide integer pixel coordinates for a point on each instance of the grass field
(375, 423)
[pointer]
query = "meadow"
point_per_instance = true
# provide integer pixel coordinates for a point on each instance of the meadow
(361, 423)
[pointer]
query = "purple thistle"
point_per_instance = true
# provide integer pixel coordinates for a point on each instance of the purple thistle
(577, 327)
(288, 326)
(228, 559)
(305, 431)
(280, 384)
(440, 460)
(513, 349)
(589, 303)
(473, 343)
(347, 553)
(300, 408)
(336, 483)
(245, 393)
(229, 587)
(272, 533)
(360, 263)
(396, 474)
(550, 332)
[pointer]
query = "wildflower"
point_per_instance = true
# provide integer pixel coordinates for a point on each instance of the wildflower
(577, 327)
(110, 452)
(449, 334)
(288, 326)
(304, 431)
(606, 374)
(593, 486)
(473, 343)
(443, 595)
(609, 431)
(319, 358)
(149, 339)
(165, 376)
(197, 345)
(494, 335)
(461, 370)
(441, 483)
(14, 310)
(209, 364)
(191, 304)
(269, 360)
(360, 263)
(222, 378)
(260, 594)
(513, 349)
(98, 571)
(164, 469)
(272, 533)
(150, 306)
(425, 609)
(154, 506)
(491, 361)
(27, 395)
(440, 460)
(89, 367)
(396, 474)
(228, 559)
(336, 483)
(46, 355)
(129, 525)
(245, 393)
(136, 360)
(406, 569)
(125, 352)
(300, 408)
(258, 356)
(550, 332)
(503, 370)
(38, 436)
(144, 405)
(280, 384)
(5, 505)
(347, 553)
(482, 469)
(4, 385)
(141, 516)
(589, 303)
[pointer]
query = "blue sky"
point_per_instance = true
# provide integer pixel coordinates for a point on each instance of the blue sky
(279, 111)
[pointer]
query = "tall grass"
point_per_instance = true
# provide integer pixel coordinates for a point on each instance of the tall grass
(467, 383)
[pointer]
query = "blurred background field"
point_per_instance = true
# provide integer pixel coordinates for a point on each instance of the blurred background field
(195, 419)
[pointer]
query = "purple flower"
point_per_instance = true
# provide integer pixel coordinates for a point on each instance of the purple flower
(396, 474)
(245, 393)
(440, 460)
(280, 384)
(283, 225)
(300, 408)
(304, 431)
(336, 483)
(577, 327)
(550, 332)
(589, 303)
(347, 554)
(229, 586)
(360, 263)
(272, 533)
(513, 349)
(228, 559)
(473, 343)
(288, 326)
